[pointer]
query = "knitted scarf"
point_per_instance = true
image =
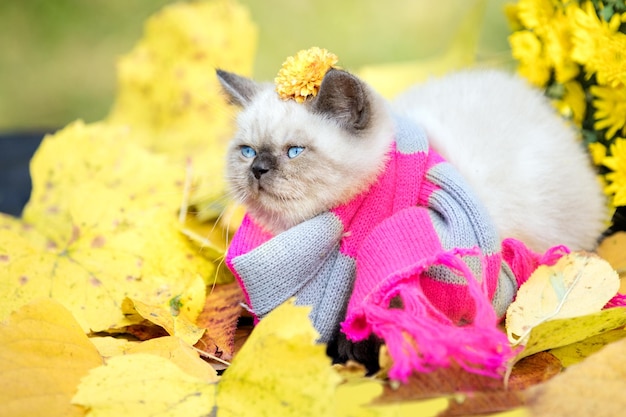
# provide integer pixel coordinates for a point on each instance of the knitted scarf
(418, 235)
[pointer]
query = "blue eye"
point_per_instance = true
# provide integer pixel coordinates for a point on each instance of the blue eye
(248, 152)
(294, 151)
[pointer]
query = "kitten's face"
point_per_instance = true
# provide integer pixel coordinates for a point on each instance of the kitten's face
(289, 162)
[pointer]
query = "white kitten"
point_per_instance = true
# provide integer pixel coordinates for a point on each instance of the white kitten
(524, 162)
(289, 162)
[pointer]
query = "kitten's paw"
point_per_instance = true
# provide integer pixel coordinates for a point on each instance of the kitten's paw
(365, 352)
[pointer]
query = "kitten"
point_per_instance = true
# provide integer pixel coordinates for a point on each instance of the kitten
(289, 162)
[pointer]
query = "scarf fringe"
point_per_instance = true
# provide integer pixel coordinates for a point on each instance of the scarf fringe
(523, 261)
(618, 301)
(421, 338)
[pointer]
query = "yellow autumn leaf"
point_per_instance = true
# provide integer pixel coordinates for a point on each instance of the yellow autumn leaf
(109, 346)
(169, 94)
(180, 353)
(169, 347)
(576, 285)
(104, 212)
(577, 352)
(43, 355)
(280, 370)
(613, 250)
(143, 384)
(356, 398)
(174, 321)
(352, 398)
(390, 79)
(562, 332)
(427, 408)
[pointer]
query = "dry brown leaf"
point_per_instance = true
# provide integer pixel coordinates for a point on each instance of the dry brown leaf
(475, 394)
(219, 317)
(533, 370)
(594, 387)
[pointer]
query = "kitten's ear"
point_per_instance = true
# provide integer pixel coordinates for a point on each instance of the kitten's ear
(240, 90)
(344, 97)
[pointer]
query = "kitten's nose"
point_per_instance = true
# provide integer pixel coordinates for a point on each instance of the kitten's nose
(258, 171)
(261, 165)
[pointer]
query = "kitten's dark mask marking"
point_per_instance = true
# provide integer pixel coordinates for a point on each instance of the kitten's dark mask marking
(262, 164)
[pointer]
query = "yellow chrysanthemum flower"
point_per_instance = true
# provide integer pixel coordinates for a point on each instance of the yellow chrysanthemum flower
(597, 152)
(572, 105)
(617, 177)
(610, 109)
(527, 49)
(302, 75)
(599, 46)
(535, 14)
(558, 45)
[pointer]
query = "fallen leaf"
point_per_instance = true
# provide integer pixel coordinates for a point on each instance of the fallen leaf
(594, 387)
(576, 285)
(169, 347)
(280, 370)
(613, 250)
(169, 94)
(577, 352)
(170, 318)
(562, 332)
(533, 370)
(425, 408)
(109, 346)
(143, 385)
(219, 317)
(472, 394)
(97, 237)
(483, 403)
(180, 353)
(352, 398)
(43, 355)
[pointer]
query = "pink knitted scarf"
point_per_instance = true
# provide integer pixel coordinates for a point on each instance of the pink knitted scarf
(418, 235)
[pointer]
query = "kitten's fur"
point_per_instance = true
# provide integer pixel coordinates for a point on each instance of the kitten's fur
(522, 160)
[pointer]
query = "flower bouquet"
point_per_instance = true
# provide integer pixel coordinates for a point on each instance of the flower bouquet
(576, 50)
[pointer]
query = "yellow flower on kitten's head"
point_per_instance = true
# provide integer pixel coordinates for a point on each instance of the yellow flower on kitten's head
(301, 75)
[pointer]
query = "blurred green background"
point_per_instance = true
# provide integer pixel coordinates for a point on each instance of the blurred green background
(57, 57)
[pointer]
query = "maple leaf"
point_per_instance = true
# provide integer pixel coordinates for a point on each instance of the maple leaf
(266, 376)
(101, 227)
(168, 92)
(143, 384)
(43, 355)
(169, 318)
